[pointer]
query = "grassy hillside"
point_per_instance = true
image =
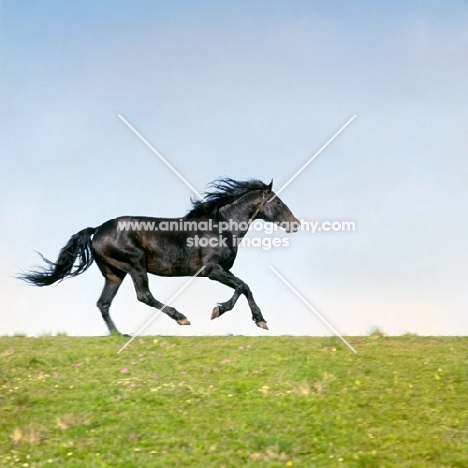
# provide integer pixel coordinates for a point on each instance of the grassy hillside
(234, 402)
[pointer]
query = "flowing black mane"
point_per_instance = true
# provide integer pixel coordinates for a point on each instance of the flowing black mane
(223, 192)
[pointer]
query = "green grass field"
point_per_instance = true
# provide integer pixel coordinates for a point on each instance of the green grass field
(234, 402)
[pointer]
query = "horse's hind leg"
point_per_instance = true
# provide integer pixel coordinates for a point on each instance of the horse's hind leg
(140, 281)
(113, 279)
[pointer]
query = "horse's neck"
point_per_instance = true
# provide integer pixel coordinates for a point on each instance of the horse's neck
(239, 214)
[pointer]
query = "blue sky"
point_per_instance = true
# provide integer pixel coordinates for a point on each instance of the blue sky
(245, 90)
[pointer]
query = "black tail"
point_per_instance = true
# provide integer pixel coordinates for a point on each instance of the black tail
(77, 248)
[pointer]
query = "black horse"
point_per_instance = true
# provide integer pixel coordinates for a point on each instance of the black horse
(206, 238)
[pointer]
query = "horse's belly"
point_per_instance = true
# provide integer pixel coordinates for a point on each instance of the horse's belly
(168, 267)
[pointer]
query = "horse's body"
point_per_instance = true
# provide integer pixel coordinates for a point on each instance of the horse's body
(207, 237)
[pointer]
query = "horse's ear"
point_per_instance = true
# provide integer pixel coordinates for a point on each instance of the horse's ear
(270, 185)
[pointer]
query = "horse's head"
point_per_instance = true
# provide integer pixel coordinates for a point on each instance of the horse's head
(273, 209)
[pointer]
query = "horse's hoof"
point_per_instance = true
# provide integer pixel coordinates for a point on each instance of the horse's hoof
(262, 324)
(183, 321)
(215, 313)
(126, 335)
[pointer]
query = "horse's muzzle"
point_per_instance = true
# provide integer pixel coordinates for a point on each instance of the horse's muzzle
(293, 225)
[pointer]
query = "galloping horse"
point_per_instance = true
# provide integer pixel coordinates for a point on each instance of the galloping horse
(138, 245)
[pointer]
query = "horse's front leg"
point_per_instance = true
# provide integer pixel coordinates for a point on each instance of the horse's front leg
(217, 273)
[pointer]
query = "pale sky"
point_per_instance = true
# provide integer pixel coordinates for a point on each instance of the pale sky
(245, 90)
